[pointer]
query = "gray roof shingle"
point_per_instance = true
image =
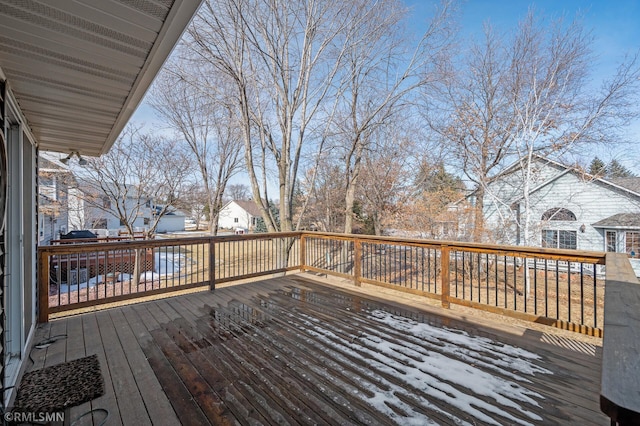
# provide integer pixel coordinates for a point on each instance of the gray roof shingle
(250, 207)
(620, 220)
(630, 183)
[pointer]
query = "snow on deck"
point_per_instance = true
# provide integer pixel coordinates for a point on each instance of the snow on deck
(474, 374)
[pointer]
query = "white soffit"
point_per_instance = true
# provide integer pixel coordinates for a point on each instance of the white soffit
(79, 68)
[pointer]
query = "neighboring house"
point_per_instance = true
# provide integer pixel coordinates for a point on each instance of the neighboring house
(239, 214)
(172, 221)
(93, 209)
(53, 181)
(568, 209)
(71, 75)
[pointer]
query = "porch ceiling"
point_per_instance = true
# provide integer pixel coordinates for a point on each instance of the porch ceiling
(80, 68)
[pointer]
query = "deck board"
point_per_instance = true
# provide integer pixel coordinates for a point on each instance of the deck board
(75, 350)
(94, 344)
(291, 350)
(147, 383)
(177, 392)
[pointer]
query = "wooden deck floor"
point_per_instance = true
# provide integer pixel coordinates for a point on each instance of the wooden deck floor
(292, 351)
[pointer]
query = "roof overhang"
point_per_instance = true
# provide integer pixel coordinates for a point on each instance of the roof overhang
(79, 69)
(617, 227)
(619, 221)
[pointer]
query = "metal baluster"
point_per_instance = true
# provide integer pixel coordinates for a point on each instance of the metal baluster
(581, 293)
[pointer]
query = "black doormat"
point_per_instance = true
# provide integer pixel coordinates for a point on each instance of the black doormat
(60, 386)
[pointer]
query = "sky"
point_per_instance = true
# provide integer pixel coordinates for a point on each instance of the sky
(615, 26)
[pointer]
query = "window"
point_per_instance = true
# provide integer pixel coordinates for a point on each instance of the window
(235, 220)
(632, 243)
(611, 238)
(146, 220)
(253, 220)
(549, 238)
(106, 203)
(558, 213)
(568, 240)
(99, 224)
(47, 187)
(552, 238)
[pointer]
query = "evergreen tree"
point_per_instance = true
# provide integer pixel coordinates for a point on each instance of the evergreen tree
(613, 170)
(435, 178)
(261, 227)
(597, 167)
(616, 170)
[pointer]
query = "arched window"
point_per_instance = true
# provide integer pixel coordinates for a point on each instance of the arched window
(558, 213)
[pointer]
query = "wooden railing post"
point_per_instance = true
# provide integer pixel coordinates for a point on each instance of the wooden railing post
(212, 264)
(444, 275)
(303, 252)
(43, 287)
(619, 385)
(357, 261)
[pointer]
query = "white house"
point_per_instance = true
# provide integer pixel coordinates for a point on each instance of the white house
(239, 214)
(567, 209)
(96, 211)
(71, 75)
(91, 209)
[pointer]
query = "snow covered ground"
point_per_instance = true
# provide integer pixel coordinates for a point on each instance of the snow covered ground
(166, 265)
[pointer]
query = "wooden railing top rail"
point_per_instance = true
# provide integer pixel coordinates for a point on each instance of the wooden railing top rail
(260, 236)
(620, 383)
(97, 239)
(141, 244)
(555, 254)
(120, 245)
(542, 253)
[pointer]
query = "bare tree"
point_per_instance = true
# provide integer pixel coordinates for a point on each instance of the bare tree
(433, 208)
(281, 59)
(206, 124)
(385, 181)
(527, 94)
(194, 201)
(379, 72)
(141, 174)
(324, 195)
(238, 191)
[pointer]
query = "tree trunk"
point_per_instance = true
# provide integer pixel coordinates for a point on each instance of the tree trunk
(377, 226)
(478, 216)
(349, 202)
(353, 172)
(525, 222)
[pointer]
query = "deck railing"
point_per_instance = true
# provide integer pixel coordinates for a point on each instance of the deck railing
(564, 288)
(73, 276)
